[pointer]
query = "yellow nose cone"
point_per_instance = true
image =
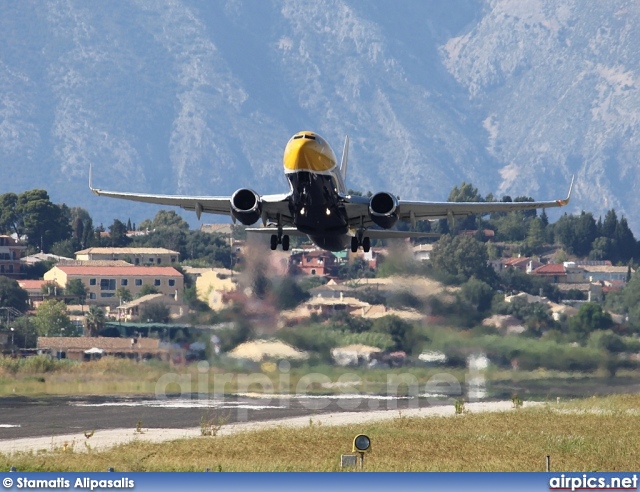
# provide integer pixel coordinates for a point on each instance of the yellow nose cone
(308, 152)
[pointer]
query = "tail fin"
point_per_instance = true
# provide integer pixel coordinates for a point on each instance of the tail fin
(345, 158)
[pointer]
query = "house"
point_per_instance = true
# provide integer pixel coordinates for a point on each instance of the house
(224, 229)
(554, 272)
(353, 355)
(315, 262)
(211, 283)
(601, 273)
(524, 264)
(34, 290)
(136, 256)
(40, 257)
(81, 348)
(10, 254)
(373, 258)
(132, 310)
(422, 252)
(103, 281)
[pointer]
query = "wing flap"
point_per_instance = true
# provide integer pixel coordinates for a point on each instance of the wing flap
(291, 231)
(392, 234)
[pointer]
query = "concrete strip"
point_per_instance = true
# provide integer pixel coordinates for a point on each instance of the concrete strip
(105, 439)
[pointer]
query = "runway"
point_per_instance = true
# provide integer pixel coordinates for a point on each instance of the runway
(60, 423)
(22, 417)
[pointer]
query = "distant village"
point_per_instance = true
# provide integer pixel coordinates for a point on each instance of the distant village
(153, 277)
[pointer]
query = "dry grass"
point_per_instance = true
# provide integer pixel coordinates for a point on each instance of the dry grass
(517, 440)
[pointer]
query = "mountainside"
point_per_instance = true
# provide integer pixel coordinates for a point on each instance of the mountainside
(187, 96)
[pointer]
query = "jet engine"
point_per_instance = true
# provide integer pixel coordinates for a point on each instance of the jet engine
(382, 210)
(246, 206)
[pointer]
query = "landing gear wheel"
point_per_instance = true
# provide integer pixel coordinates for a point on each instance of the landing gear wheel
(354, 244)
(366, 244)
(285, 243)
(274, 242)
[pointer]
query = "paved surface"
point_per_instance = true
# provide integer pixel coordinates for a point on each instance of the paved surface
(49, 416)
(104, 439)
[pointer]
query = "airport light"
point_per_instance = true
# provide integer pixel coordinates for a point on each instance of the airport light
(361, 445)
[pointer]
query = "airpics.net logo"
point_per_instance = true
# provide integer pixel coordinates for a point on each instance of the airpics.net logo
(593, 482)
(439, 389)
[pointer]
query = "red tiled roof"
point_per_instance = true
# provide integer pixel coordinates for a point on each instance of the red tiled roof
(317, 253)
(129, 271)
(31, 284)
(516, 261)
(551, 269)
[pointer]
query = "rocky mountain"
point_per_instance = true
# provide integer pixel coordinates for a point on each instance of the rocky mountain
(190, 96)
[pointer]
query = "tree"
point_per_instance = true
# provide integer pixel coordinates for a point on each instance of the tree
(169, 219)
(400, 331)
(64, 248)
(51, 319)
(536, 234)
(76, 288)
(124, 295)
(8, 216)
(155, 313)
(147, 289)
(94, 321)
(118, 234)
(12, 295)
(466, 193)
(463, 257)
(25, 332)
(590, 318)
(477, 293)
(289, 294)
(42, 221)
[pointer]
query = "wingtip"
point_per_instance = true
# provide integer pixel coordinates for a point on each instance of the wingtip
(94, 190)
(566, 200)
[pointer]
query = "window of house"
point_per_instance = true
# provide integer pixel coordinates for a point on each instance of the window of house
(1, 268)
(159, 260)
(137, 261)
(124, 281)
(107, 284)
(92, 295)
(172, 282)
(156, 282)
(107, 294)
(173, 259)
(92, 281)
(138, 282)
(10, 268)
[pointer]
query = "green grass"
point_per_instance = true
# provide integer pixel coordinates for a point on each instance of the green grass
(111, 376)
(575, 436)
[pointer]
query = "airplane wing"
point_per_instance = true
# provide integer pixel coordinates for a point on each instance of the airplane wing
(272, 229)
(358, 209)
(393, 234)
(272, 205)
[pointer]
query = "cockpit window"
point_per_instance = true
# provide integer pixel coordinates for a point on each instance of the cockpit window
(297, 137)
(310, 137)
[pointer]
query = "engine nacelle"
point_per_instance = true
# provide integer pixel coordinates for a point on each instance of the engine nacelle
(382, 210)
(246, 206)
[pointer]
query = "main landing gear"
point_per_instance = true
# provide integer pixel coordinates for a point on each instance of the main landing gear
(279, 238)
(356, 242)
(283, 239)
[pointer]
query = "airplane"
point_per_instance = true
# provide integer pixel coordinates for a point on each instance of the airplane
(319, 206)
